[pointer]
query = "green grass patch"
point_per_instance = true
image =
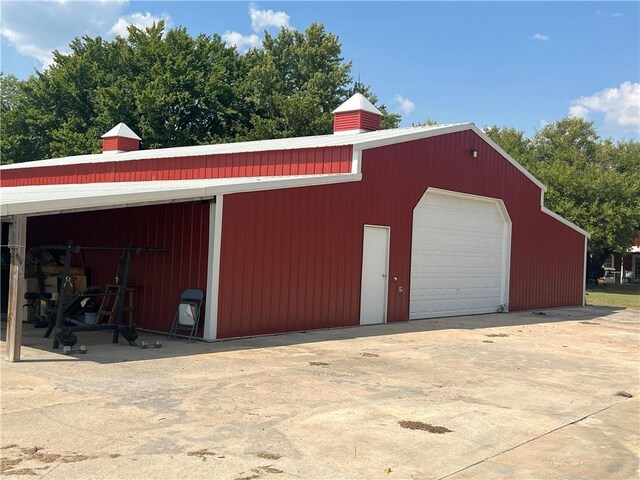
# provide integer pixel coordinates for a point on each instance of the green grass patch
(614, 295)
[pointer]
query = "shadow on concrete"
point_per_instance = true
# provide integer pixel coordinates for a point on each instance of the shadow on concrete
(101, 350)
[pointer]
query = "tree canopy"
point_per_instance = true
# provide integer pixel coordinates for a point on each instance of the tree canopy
(174, 89)
(592, 182)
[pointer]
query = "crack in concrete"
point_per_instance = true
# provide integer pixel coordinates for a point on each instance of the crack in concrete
(531, 440)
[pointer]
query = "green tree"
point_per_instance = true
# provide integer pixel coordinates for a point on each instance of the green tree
(512, 141)
(174, 89)
(389, 119)
(25, 119)
(293, 83)
(429, 122)
(593, 183)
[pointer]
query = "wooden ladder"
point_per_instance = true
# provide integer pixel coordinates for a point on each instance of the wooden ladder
(109, 305)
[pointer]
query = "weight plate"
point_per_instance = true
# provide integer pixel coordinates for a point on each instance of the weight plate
(129, 333)
(67, 338)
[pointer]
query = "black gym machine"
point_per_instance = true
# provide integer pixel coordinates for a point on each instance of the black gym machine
(64, 333)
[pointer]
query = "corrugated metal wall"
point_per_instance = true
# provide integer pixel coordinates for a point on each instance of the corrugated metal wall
(291, 259)
(307, 161)
(355, 121)
(120, 143)
(182, 228)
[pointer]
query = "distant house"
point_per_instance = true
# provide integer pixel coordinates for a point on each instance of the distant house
(624, 267)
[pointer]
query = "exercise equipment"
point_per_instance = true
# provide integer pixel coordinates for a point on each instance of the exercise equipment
(73, 307)
(41, 305)
(65, 301)
(66, 337)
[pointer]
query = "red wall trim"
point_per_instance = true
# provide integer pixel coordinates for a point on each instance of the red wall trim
(307, 161)
(291, 259)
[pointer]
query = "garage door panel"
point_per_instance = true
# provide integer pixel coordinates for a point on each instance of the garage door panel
(458, 252)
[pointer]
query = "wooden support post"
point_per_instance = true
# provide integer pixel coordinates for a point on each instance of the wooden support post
(17, 243)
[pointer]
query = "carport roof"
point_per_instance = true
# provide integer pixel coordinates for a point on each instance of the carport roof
(51, 199)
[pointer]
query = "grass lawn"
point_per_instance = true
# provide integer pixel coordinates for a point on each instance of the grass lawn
(614, 295)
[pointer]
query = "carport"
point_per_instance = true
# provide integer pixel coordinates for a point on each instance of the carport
(182, 216)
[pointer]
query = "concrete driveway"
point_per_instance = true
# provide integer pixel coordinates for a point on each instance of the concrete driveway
(517, 395)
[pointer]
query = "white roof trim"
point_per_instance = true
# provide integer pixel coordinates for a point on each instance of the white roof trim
(359, 141)
(395, 135)
(418, 133)
(357, 102)
(565, 221)
(121, 130)
(511, 160)
(49, 199)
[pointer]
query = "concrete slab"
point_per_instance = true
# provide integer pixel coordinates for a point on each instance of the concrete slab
(522, 395)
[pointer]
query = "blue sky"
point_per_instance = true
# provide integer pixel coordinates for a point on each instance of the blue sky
(506, 63)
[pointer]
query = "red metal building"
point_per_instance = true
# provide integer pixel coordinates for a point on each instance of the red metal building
(362, 226)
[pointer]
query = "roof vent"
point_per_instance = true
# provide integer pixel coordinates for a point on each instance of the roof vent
(356, 115)
(120, 139)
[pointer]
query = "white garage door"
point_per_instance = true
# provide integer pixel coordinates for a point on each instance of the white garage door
(459, 256)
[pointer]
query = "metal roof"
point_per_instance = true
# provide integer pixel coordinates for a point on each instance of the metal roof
(121, 130)
(357, 102)
(49, 199)
(358, 140)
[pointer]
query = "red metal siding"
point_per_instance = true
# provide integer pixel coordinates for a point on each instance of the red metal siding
(370, 121)
(120, 143)
(358, 120)
(159, 278)
(283, 162)
(291, 259)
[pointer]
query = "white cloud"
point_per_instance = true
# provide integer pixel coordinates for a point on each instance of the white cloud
(619, 105)
(263, 19)
(615, 15)
(35, 29)
(540, 37)
(260, 20)
(25, 46)
(241, 42)
(405, 105)
(140, 20)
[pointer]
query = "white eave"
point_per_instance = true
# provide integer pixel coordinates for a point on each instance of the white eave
(121, 130)
(49, 199)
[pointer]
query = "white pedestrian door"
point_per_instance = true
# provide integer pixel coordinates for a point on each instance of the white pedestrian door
(375, 264)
